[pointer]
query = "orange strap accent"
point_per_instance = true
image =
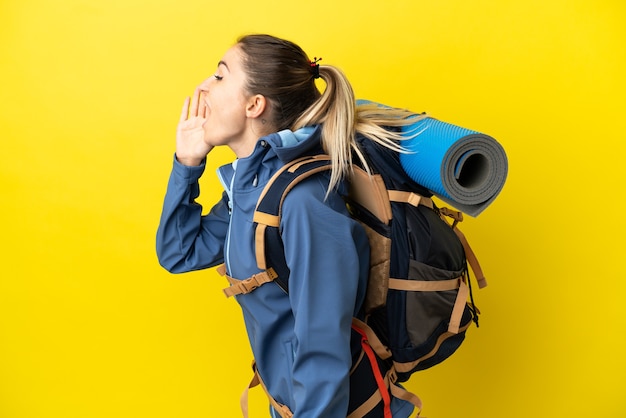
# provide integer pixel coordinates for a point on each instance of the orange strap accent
(396, 390)
(259, 245)
(305, 160)
(243, 400)
(411, 198)
(304, 175)
(283, 410)
(425, 285)
(380, 381)
(459, 307)
(263, 219)
(406, 367)
(367, 406)
(239, 287)
(371, 343)
(292, 167)
(471, 259)
(277, 174)
(379, 348)
(439, 285)
(455, 215)
(401, 393)
(469, 253)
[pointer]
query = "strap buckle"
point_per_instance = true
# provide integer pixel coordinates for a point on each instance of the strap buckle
(242, 287)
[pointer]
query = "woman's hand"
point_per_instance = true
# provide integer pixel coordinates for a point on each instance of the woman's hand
(191, 148)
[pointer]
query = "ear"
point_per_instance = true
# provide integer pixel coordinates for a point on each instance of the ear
(256, 106)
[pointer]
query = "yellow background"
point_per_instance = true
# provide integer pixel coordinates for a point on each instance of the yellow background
(91, 326)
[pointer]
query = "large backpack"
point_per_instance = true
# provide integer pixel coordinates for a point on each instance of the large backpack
(419, 301)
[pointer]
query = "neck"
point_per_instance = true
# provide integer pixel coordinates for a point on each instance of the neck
(255, 130)
(245, 146)
(243, 150)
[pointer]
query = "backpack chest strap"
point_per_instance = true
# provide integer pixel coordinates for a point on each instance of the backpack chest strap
(241, 287)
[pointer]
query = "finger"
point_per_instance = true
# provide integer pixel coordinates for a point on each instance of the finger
(201, 107)
(194, 103)
(184, 113)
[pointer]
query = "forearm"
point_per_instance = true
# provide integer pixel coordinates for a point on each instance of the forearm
(185, 239)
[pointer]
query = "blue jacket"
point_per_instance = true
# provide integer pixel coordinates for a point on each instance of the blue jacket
(300, 340)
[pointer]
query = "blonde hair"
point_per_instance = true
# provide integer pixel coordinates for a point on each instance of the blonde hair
(342, 119)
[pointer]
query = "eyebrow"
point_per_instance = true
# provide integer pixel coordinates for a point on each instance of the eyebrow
(224, 64)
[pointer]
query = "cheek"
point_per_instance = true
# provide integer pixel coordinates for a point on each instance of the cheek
(234, 111)
(225, 122)
(228, 107)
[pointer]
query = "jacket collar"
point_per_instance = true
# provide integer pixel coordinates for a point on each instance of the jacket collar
(271, 152)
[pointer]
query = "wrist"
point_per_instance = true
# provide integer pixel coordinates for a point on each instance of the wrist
(189, 161)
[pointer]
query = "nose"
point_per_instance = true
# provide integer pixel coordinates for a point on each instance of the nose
(204, 86)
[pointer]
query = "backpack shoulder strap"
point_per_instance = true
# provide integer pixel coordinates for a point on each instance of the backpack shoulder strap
(269, 207)
(266, 218)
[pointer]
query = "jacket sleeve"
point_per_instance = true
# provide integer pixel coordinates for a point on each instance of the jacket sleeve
(328, 257)
(185, 239)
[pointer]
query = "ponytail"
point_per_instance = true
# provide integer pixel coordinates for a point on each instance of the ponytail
(336, 111)
(342, 120)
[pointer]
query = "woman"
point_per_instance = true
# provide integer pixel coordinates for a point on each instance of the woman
(263, 103)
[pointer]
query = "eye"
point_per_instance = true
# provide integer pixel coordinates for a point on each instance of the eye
(218, 77)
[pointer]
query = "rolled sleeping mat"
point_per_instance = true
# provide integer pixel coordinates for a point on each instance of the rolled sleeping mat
(464, 168)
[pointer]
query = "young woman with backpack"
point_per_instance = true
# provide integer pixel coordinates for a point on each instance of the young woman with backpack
(263, 103)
